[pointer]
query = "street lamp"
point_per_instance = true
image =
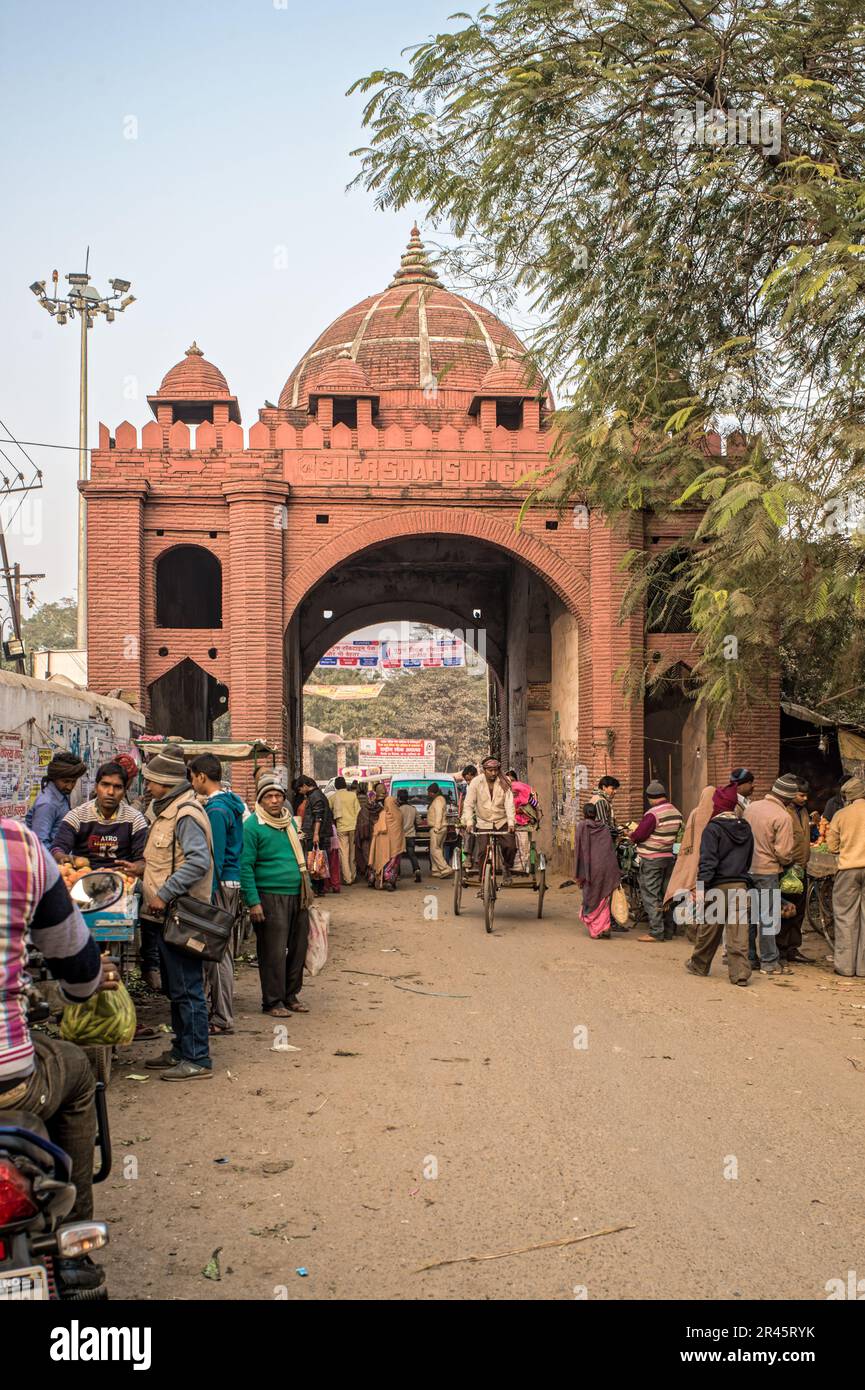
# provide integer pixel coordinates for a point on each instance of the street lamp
(85, 301)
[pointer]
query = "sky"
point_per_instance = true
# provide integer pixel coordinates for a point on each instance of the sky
(202, 151)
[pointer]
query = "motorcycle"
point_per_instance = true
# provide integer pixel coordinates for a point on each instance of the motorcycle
(36, 1193)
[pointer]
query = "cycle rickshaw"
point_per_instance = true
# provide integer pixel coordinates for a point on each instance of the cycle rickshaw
(488, 875)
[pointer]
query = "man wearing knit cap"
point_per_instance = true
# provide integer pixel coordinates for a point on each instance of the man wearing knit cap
(178, 859)
(655, 837)
(846, 838)
(774, 849)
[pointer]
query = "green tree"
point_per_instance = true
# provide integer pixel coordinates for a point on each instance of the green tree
(448, 705)
(677, 187)
(52, 625)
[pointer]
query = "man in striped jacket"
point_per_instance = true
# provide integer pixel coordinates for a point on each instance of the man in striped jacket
(655, 837)
(37, 1073)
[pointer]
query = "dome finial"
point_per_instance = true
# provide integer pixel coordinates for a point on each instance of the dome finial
(415, 267)
(194, 350)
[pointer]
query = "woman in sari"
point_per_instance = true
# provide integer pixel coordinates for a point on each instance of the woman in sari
(388, 843)
(683, 880)
(366, 819)
(596, 871)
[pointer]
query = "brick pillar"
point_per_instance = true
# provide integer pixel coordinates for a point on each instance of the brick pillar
(115, 587)
(617, 723)
(255, 606)
(755, 740)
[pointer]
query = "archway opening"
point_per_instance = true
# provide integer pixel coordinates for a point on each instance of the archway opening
(476, 589)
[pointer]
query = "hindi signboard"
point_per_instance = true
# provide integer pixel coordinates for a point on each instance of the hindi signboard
(398, 756)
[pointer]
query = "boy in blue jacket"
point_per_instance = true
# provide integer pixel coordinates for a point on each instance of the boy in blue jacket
(225, 813)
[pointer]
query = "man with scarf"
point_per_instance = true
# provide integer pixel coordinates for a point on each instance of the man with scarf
(726, 850)
(277, 890)
(178, 859)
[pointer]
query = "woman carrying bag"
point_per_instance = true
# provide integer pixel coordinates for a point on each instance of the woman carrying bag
(277, 891)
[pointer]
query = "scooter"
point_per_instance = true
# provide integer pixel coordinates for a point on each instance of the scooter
(37, 1192)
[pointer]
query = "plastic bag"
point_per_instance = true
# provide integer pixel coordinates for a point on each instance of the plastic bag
(316, 863)
(316, 950)
(792, 883)
(106, 1019)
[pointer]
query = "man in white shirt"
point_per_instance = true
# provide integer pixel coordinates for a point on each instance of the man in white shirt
(489, 805)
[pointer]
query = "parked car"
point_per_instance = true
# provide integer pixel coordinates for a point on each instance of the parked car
(417, 795)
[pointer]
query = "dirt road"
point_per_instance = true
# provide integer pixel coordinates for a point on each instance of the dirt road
(457, 1094)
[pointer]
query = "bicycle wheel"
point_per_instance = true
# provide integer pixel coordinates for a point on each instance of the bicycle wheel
(542, 884)
(488, 893)
(458, 882)
(819, 908)
(634, 900)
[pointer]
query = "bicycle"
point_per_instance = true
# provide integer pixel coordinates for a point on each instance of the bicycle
(818, 907)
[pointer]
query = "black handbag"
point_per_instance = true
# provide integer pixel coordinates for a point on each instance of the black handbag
(195, 927)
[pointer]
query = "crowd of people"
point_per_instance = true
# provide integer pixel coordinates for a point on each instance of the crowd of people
(734, 873)
(187, 835)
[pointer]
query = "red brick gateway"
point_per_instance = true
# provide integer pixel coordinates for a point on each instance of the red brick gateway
(384, 485)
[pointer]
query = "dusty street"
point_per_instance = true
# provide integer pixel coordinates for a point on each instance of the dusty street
(433, 1048)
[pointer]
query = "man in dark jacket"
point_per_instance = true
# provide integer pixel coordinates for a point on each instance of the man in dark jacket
(317, 821)
(726, 848)
(225, 812)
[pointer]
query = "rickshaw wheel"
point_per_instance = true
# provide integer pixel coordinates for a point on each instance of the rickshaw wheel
(542, 885)
(458, 883)
(489, 897)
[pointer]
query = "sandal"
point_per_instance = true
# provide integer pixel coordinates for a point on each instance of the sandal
(298, 1008)
(215, 1031)
(278, 1011)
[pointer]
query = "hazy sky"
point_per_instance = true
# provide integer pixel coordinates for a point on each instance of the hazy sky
(243, 133)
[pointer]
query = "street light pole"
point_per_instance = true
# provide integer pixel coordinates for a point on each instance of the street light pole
(85, 301)
(81, 621)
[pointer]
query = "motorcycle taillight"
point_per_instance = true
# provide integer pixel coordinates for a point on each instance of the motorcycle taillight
(16, 1202)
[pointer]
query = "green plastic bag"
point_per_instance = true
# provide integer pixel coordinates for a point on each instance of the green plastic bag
(792, 883)
(106, 1019)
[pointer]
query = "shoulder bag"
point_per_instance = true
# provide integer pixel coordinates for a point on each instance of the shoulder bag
(197, 928)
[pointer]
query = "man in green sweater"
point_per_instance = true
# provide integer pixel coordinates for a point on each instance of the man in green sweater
(276, 889)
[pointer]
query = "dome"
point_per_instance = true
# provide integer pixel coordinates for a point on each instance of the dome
(194, 382)
(417, 345)
(194, 379)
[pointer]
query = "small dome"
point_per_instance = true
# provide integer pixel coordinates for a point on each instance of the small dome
(194, 379)
(511, 377)
(342, 377)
